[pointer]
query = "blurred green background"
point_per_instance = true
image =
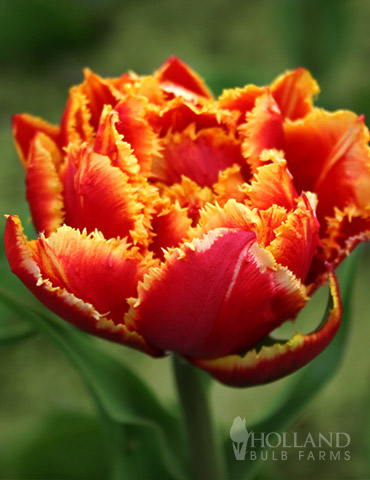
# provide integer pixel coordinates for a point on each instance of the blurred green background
(48, 423)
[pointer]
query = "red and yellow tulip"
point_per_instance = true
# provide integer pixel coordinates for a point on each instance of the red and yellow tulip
(171, 221)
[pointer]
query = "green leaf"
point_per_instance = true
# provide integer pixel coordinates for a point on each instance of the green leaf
(122, 397)
(304, 385)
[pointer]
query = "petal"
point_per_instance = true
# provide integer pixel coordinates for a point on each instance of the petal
(76, 120)
(68, 263)
(136, 130)
(262, 130)
(44, 186)
(218, 294)
(178, 114)
(25, 128)
(328, 153)
(170, 227)
(99, 92)
(109, 142)
(199, 156)
(99, 195)
(178, 78)
(293, 92)
(346, 229)
(297, 239)
(272, 183)
(230, 185)
(273, 362)
(242, 100)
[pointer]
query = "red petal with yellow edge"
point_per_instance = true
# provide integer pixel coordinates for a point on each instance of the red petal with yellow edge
(328, 154)
(272, 184)
(214, 296)
(87, 264)
(174, 73)
(76, 121)
(293, 92)
(198, 156)
(98, 195)
(297, 239)
(345, 230)
(25, 127)
(276, 361)
(44, 186)
(262, 130)
(136, 131)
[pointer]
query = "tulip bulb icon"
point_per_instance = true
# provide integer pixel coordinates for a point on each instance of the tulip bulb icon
(239, 435)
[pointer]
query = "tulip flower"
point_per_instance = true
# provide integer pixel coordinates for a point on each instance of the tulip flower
(171, 221)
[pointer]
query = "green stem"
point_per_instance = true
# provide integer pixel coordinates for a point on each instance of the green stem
(206, 457)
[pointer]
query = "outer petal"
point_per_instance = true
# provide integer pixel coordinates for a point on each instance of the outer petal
(273, 362)
(84, 279)
(199, 156)
(262, 130)
(178, 78)
(76, 123)
(25, 127)
(293, 92)
(328, 154)
(44, 187)
(214, 296)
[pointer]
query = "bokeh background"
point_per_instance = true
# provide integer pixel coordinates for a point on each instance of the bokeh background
(49, 428)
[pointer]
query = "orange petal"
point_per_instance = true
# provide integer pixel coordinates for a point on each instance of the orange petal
(272, 183)
(297, 239)
(262, 130)
(230, 185)
(214, 296)
(242, 100)
(25, 127)
(76, 121)
(199, 156)
(58, 269)
(273, 362)
(328, 154)
(293, 92)
(44, 186)
(178, 78)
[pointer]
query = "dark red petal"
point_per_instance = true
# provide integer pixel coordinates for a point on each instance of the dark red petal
(215, 296)
(103, 272)
(273, 362)
(44, 186)
(25, 127)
